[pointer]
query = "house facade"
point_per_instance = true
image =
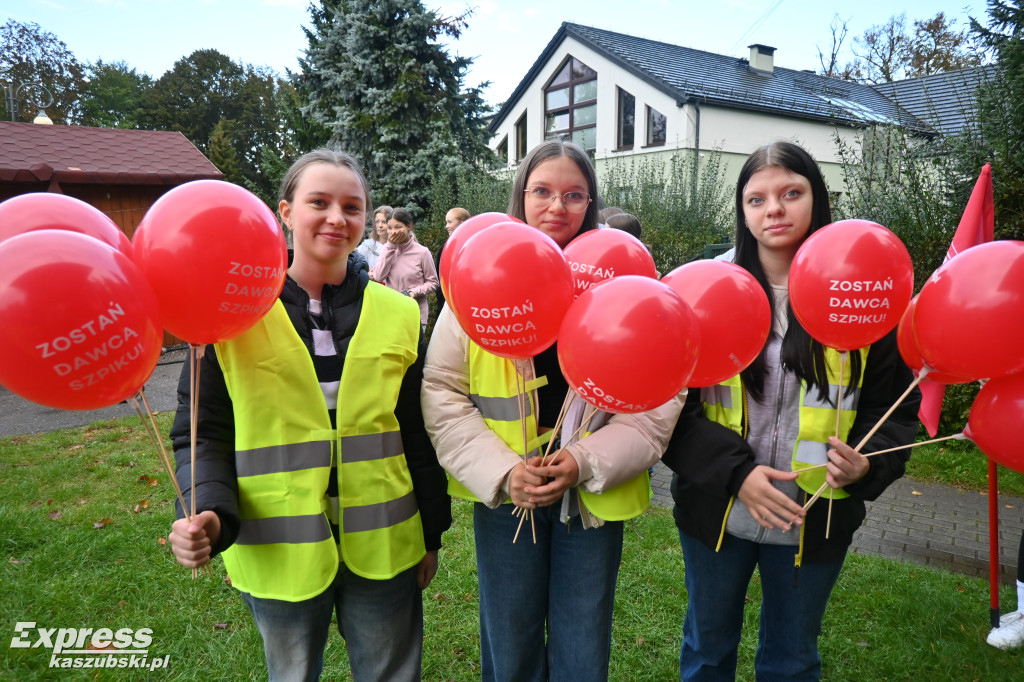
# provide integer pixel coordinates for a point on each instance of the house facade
(619, 96)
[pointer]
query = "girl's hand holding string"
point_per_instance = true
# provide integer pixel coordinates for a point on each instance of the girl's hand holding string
(557, 475)
(845, 465)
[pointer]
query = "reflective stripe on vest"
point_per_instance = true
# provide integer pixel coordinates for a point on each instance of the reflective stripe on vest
(817, 417)
(283, 453)
(492, 388)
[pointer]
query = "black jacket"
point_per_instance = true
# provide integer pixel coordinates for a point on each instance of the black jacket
(217, 482)
(710, 461)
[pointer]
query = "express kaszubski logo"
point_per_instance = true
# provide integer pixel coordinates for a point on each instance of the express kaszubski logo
(90, 647)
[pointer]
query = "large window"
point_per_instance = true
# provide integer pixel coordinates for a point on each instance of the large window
(656, 124)
(627, 120)
(521, 138)
(503, 149)
(570, 105)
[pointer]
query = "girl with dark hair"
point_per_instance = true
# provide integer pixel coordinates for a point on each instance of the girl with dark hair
(738, 448)
(314, 476)
(405, 265)
(545, 607)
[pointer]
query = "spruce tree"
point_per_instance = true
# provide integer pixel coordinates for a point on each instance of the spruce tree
(379, 78)
(1000, 115)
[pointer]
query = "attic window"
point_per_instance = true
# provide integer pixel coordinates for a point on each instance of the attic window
(570, 105)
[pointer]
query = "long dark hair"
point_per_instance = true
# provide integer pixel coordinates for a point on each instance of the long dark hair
(550, 149)
(800, 352)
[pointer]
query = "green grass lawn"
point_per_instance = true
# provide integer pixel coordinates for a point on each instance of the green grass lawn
(81, 528)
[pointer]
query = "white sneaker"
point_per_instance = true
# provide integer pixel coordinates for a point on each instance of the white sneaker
(1010, 633)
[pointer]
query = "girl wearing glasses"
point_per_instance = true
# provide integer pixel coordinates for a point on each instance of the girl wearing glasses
(563, 585)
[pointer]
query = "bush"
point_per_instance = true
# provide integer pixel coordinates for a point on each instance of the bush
(680, 212)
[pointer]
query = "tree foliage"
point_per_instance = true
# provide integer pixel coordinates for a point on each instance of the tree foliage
(112, 95)
(1000, 129)
(206, 88)
(28, 55)
(392, 95)
(892, 51)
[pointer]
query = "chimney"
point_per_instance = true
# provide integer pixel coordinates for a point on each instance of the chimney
(762, 59)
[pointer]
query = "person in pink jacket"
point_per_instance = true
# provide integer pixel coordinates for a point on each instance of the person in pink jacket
(405, 265)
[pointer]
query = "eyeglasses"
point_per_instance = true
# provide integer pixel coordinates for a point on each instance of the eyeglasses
(574, 202)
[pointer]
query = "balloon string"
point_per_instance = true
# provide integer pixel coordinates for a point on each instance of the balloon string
(558, 423)
(839, 410)
(874, 428)
(955, 436)
(154, 435)
(521, 399)
(196, 353)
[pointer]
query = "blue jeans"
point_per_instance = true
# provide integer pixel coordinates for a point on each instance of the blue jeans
(792, 605)
(565, 581)
(381, 621)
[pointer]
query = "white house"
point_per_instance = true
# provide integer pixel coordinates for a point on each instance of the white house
(618, 96)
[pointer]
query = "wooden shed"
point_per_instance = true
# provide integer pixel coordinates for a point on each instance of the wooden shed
(120, 172)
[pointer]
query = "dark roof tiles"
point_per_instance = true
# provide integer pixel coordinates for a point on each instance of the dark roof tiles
(688, 74)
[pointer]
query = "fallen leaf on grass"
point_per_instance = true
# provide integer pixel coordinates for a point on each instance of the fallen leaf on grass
(54, 515)
(146, 478)
(140, 506)
(103, 523)
(961, 588)
(83, 501)
(439, 596)
(220, 626)
(12, 560)
(75, 447)
(640, 641)
(161, 541)
(36, 503)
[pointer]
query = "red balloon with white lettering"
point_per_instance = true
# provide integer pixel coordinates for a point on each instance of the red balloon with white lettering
(732, 312)
(969, 319)
(628, 345)
(850, 282)
(510, 288)
(599, 255)
(462, 234)
(215, 256)
(51, 211)
(995, 419)
(81, 325)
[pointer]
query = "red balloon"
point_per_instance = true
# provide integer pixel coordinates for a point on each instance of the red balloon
(732, 313)
(50, 211)
(460, 236)
(81, 326)
(996, 416)
(216, 258)
(628, 345)
(510, 288)
(602, 254)
(969, 319)
(911, 354)
(849, 283)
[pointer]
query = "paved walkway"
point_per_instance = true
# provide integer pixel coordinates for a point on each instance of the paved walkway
(935, 525)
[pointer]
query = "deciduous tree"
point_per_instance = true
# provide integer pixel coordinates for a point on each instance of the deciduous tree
(28, 54)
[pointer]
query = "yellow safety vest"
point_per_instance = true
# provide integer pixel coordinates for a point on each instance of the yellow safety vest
(493, 390)
(284, 445)
(725, 402)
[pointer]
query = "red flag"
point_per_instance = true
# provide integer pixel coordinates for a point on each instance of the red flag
(977, 226)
